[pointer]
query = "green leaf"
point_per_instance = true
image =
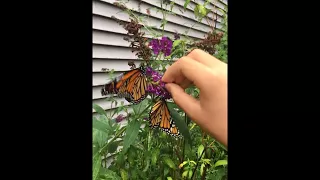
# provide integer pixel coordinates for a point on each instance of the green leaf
(166, 171)
(134, 174)
(200, 150)
(206, 3)
(169, 162)
(154, 157)
(99, 125)
(176, 43)
(96, 166)
(147, 165)
(184, 174)
(221, 163)
(186, 4)
(131, 135)
(142, 175)
(200, 11)
(99, 109)
(190, 173)
(124, 174)
(206, 161)
(112, 147)
(171, 5)
(95, 147)
(110, 175)
(120, 159)
(201, 169)
(99, 137)
(138, 108)
(169, 178)
(182, 126)
(107, 121)
(196, 11)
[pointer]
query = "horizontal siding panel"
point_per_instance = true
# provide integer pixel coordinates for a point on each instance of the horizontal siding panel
(179, 10)
(109, 38)
(112, 52)
(219, 4)
(104, 104)
(99, 79)
(133, 5)
(106, 24)
(116, 64)
(109, 25)
(192, 5)
(101, 51)
(109, 10)
(225, 2)
(210, 6)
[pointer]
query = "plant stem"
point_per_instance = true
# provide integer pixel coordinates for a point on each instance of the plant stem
(163, 18)
(194, 171)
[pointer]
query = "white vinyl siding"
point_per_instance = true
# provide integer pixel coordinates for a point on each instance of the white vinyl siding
(112, 52)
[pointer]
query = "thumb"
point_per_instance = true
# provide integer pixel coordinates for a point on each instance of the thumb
(186, 102)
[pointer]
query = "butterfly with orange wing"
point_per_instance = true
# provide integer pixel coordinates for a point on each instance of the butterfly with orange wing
(160, 116)
(131, 85)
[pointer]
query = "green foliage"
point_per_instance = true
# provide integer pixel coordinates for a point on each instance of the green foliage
(132, 150)
(222, 47)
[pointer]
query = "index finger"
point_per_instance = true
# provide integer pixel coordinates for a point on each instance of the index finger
(188, 68)
(204, 58)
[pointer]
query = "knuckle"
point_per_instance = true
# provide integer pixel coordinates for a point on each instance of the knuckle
(195, 52)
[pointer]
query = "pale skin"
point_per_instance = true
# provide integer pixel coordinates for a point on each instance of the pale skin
(210, 75)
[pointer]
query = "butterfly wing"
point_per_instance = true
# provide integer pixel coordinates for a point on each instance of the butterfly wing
(109, 88)
(160, 117)
(131, 85)
(155, 114)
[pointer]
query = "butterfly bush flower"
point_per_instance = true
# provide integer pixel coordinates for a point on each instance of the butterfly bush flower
(164, 45)
(119, 118)
(157, 87)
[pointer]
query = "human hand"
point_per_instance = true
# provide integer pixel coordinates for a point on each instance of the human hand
(210, 75)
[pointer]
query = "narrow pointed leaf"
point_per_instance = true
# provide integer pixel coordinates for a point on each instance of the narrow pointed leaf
(96, 164)
(201, 169)
(186, 4)
(182, 126)
(99, 110)
(200, 149)
(221, 163)
(169, 162)
(131, 135)
(154, 157)
(99, 125)
(124, 174)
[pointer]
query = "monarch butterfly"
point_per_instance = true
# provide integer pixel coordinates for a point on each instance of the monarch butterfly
(131, 85)
(160, 116)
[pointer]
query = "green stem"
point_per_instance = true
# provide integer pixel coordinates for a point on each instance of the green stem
(163, 18)
(194, 171)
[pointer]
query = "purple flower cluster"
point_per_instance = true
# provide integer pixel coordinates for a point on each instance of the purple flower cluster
(158, 86)
(164, 45)
(120, 118)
